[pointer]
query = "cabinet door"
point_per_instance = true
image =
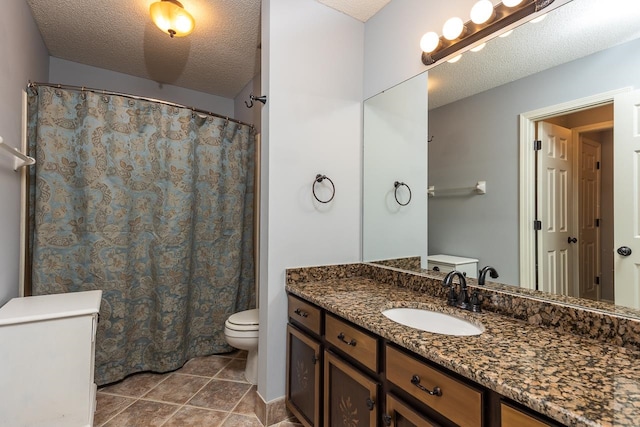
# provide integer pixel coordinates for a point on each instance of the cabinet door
(303, 377)
(350, 398)
(400, 415)
(512, 417)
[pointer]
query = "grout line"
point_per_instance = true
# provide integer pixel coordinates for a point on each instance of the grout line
(117, 413)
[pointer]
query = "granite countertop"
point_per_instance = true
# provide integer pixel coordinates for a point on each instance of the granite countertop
(575, 380)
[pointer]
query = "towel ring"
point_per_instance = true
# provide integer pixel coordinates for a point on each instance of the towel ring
(397, 185)
(320, 178)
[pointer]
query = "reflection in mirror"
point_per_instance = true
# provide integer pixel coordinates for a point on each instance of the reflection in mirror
(477, 138)
(395, 125)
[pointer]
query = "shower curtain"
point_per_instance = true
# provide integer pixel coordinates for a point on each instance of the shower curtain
(152, 204)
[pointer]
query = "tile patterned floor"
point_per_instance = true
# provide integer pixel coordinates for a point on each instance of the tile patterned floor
(206, 392)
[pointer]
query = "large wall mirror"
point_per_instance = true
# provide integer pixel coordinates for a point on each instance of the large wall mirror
(566, 72)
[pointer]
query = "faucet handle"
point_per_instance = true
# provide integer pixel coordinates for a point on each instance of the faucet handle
(476, 302)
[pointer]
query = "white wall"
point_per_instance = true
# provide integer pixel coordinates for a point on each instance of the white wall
(312, 74)
(486, 148)
(395, 149)
(24, 57)
(72, 73)
(392, 39)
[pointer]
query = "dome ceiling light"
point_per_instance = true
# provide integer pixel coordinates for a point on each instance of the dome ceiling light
(172, 18)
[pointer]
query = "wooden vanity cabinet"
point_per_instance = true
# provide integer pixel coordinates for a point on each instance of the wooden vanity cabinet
(351, 397)
(304, 361)
(455, 400)
(339, 374)
(304, 382)
(514, 417)
(398, 414)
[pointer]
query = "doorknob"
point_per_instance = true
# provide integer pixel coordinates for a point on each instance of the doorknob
(624, 250)
(571, 239)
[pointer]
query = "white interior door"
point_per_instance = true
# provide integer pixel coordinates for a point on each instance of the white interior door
(554, 209)
(627, 198)
(588, 215)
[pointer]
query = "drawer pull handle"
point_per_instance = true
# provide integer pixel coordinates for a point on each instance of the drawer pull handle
(301, 313)
(370, 403)
(415, 380)
(341, 338)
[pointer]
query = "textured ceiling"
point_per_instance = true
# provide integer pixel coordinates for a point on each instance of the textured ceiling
(572, 31)
(362, 10)
(220, 57)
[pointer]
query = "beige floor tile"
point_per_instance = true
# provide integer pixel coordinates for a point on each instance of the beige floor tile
(237, 420)
(107, 406)
(189, 416)
(135, 385)
(220, 395)
(233, 371)
(143, 413)
(289, 424)
(248, 403)
(177, 388)
(207, 366)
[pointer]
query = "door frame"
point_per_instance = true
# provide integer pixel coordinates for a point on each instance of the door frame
(527, 178)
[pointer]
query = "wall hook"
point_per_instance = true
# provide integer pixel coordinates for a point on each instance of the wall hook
(262, 99)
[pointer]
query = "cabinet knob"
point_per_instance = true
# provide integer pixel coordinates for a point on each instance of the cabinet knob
(370, 403)
(386, 419)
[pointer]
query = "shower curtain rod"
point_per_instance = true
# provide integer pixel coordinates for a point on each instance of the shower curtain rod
(34, 85)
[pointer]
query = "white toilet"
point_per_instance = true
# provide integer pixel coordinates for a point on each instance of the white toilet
(241, 331)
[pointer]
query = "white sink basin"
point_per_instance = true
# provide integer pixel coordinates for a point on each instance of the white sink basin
(433, 321)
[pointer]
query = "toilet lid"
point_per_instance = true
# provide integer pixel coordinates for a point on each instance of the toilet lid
(244, 318)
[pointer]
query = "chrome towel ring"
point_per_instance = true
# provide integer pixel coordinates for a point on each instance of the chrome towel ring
(397, 185)
(320, 178)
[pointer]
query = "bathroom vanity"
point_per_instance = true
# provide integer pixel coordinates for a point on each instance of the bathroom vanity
(347, 364)
(47, 350)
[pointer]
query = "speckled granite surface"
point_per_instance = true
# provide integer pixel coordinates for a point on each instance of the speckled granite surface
(559, 370)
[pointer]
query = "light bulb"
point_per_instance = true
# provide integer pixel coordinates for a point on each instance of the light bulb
(506, 34)
(455, 59)
(538, 19)
(453, 28)
(429, 42)
(478, 48)
(482, 11)
(511, 3)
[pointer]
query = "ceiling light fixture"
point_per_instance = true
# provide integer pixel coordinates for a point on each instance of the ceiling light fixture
(486, 20)
(172, 18)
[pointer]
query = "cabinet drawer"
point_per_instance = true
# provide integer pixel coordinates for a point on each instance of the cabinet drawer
(305, 314)
(512, 417)
(355, 343)
(450, 394)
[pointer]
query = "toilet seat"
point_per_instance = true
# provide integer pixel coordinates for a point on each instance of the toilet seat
(244, 321)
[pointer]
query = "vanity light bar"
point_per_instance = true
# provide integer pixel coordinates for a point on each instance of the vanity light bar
(504, 16)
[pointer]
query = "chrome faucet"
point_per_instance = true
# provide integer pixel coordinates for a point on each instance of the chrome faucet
(483, 273)
(460, 300)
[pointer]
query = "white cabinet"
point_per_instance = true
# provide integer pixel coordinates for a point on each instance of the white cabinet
(47, 350)
(447, 263)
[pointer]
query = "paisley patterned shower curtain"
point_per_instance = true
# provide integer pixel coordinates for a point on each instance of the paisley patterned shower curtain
(151, 203)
